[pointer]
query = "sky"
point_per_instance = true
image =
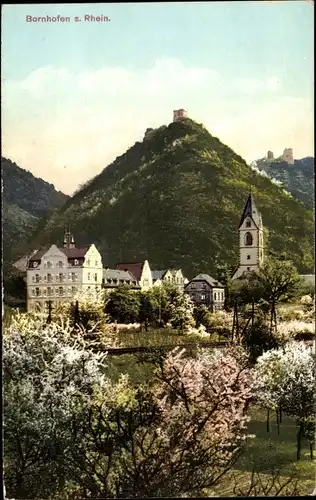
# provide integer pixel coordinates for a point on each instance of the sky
(77, 94)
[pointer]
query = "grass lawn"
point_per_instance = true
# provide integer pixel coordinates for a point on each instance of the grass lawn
(161, 337)
(268, 451)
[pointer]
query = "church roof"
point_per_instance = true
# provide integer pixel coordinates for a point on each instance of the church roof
(250, 210)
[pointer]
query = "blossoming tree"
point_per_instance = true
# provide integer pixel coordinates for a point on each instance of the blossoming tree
(286, 379)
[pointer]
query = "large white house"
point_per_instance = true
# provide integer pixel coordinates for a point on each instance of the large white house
(251, 244)
(59, 274)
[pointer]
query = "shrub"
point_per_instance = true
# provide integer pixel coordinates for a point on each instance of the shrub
(258, 339)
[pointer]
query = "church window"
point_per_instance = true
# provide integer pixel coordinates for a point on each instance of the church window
(248, 223)
(248, 257)
(248, 239)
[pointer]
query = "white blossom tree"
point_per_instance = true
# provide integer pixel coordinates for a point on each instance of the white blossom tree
(286, 380)
(48, 377)
(181, 311)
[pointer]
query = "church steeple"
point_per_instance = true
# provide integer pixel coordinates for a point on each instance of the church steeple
(251, 247)
(69, 241)
(250, 210)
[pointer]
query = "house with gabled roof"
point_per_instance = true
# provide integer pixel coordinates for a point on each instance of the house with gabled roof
(58, 274)
(141, 271)
(173, 276)
(206, 291)
(112, 278)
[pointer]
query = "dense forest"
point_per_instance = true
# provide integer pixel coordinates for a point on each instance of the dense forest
(176, 199)
(26, 200)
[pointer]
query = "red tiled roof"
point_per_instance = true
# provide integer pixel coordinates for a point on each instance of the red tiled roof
(74, 253)
(135, 268)
(71, 253)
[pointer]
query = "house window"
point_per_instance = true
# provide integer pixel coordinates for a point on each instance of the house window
(49, 291)
(88, 262)
(89, 276)
(61, 277)
(73, 289)
(33, 291)
(74, 277)
(248, 223)
(248, 268)
(60, 264)
(37, 292)
(61, 290)
(248, 257)
(44, 291)
(49, 265)
(38, 307)
(202, 296)
(37, 278)
(96, 263)
(215, 296)
(49, 278)
(248, 239)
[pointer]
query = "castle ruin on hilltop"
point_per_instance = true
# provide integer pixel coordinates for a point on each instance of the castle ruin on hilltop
(286, 156)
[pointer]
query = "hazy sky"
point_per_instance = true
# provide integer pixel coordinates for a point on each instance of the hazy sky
(76, 95)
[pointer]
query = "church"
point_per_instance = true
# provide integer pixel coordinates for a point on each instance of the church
(251, 245)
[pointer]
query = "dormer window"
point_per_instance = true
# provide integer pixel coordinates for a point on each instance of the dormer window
(35, 264)
(76, 262)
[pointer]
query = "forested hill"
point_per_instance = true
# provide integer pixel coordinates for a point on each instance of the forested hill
(176, 199)
(26, 200)
(298, 179)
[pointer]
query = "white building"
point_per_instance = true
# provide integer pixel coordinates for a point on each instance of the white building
(251, 245)
(173, 276)
(59, 274)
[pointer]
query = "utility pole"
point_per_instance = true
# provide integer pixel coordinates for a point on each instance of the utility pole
(159, 315)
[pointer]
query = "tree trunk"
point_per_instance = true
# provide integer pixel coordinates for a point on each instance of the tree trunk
(280, 414)
(278, 420)
(311, 451)
(268, 420)
(299, 441)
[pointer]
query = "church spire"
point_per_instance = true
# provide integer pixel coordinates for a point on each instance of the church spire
(251, 245)
(250, 210)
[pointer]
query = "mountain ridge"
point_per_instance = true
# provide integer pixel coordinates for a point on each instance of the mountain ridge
(297, 178)
(26, 200)
(175, 199)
